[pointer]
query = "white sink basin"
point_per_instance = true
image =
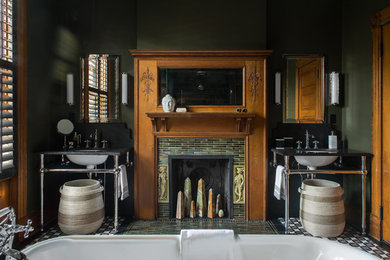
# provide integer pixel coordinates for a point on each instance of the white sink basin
(87, 159)
(314, 161)
(319, 151)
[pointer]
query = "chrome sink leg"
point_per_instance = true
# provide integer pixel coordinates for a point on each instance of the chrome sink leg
(116, 175)
(42, 173)
(287, 191)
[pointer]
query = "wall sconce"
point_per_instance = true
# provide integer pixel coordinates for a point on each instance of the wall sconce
(69, 89)
(124, 88)
(334, 88)
(277, 88)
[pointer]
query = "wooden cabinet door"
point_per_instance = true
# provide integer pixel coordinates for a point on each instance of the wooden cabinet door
(308, 91)
(386, 130)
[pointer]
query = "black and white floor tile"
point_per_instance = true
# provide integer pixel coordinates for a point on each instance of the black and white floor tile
(350, 236)
(107, 228)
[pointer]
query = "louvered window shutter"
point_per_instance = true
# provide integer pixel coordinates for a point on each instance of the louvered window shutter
(98, 86)
(7, 72)
(7, 121)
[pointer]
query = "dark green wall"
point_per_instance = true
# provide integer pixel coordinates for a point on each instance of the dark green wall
(59, 32)
(201, 24)
(46, 94)
(293, 28)
(113, 29)
(303, 27)
(357, 68)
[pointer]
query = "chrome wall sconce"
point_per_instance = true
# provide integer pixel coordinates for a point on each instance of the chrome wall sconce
(334, 88)
(277, 88)
(124, 88)
(69, 89)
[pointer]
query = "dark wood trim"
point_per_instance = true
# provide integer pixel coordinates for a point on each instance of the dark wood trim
(136, 142)
(381, 18)
(377, 21)
(155, 180)
(200, 53)
(237, 117)
(376, 168)
(375, 227)
(200, 115)
(247, 178)
(202, 134)
(265, 139)
(19, 183)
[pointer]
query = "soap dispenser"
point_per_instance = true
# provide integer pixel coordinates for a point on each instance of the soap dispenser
(332, 141)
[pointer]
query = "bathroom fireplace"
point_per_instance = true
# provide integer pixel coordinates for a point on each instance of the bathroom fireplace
(215, 170)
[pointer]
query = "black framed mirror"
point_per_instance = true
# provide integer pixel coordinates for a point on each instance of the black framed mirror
(99, 92)
(304, 89)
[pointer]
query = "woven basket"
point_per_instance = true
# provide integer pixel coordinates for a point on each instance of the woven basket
(322, 207)
(81, 209)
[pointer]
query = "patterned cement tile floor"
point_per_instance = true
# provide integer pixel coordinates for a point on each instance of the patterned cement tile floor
(107, 228)
(350, 236)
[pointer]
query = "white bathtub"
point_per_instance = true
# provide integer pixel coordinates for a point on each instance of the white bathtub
(161, 247)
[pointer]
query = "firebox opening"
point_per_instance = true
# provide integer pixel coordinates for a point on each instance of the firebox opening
(215, 170)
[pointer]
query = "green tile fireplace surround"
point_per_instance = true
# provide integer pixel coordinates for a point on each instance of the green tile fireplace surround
(234, 147)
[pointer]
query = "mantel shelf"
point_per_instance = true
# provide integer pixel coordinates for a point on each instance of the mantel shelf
(164, 116)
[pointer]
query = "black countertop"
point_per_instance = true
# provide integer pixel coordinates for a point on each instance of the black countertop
(109, 151)
(315, 152)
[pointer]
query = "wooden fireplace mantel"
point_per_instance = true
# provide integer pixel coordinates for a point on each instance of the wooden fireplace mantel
(237, 117)
(151, 124)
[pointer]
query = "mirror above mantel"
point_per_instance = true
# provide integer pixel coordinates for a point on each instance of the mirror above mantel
(303, 89)
(99, 92)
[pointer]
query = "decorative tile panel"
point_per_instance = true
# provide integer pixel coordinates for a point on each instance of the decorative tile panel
(163, 183)
(238, 184)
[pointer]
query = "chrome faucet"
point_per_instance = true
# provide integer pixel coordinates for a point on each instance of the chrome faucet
(96, 139)
(307, 138)
(8, 231)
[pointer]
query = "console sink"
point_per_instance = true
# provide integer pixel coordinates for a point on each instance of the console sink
(314, 161)
(87, 158)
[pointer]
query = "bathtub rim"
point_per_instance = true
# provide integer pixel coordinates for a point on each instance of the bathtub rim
(241, 238)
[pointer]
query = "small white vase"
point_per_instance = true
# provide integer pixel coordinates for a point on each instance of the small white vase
(168, 103)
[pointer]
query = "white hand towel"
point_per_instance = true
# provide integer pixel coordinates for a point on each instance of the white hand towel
(219, 244)
(123, 189)
(280, 183)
